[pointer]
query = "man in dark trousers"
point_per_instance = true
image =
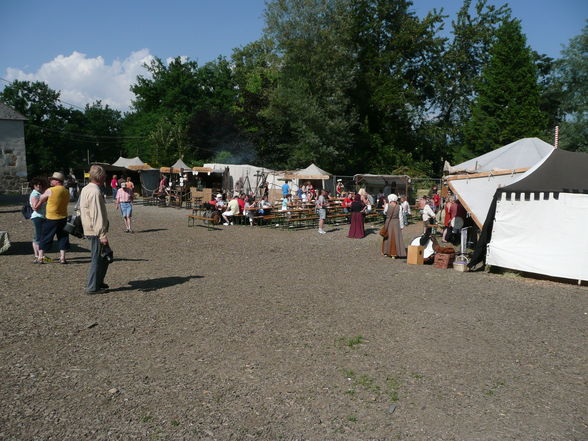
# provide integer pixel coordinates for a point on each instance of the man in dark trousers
(95, 223)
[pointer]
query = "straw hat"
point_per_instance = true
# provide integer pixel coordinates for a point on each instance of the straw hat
(58, 176)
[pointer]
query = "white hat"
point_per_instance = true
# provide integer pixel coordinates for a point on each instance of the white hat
(219, 196)
(58, 176)
(392, 197)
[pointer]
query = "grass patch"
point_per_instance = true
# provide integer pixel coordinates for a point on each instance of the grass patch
(352, 419)
(392, 386)
(351, 342)
(175, 423)
(146, 418)
(493, 389)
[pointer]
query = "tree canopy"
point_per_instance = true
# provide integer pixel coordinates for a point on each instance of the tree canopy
(352, 85)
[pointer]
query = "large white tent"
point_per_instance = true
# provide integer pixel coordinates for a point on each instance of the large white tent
(245, 177)
(479, 178)
(125, 162)
(538, 223)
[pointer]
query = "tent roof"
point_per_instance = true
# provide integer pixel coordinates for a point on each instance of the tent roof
(125, 162)
(523, 153)
(310, 172)
(181, 164)
(312, 169)
(561, 171)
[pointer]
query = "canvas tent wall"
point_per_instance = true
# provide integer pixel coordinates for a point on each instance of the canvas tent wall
(496, 169)
(244, 177)
(385, 184)
(538, 223)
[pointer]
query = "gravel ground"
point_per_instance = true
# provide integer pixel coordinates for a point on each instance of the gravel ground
(251, 333)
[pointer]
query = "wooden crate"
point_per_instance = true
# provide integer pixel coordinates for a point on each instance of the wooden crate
(444, 261)
(415, 255)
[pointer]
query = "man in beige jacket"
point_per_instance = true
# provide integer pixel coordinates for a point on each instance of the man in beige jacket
(95, 223)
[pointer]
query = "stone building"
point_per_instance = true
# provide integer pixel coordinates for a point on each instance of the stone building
(13, 157)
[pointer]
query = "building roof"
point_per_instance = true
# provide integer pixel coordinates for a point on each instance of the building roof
(9, 113)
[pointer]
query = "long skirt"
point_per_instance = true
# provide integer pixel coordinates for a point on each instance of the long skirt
(394, 244)
(356, 230)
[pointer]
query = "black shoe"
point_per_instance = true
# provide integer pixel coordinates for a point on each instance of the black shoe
(98, 291)
(104, 286)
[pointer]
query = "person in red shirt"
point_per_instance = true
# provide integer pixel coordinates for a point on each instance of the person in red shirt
(346, 204)
(241, 202)
(114, 186)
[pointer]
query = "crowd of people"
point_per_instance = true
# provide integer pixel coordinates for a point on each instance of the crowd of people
(49, 199)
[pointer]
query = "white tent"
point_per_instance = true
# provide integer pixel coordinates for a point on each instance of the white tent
(523, 153)
(310, 173)
(496, 169)
(125, 162)
(538, 223)
(180, 164)
(245, 177)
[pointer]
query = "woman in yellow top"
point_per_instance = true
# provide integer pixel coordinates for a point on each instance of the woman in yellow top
(57, 199)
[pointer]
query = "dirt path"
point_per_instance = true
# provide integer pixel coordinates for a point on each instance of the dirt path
(249, 333)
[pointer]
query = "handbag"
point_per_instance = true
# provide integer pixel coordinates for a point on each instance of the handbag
(27, 210)
(384, 232)
(73, 225)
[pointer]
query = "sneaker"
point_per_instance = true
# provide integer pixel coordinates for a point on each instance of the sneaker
(225, 224)
(322, 232)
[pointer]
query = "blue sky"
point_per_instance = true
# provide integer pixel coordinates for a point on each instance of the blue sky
(94, 49)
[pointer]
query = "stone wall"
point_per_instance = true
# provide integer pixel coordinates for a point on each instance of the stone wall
(13, 159)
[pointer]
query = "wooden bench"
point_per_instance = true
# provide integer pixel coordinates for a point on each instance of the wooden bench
(208, 221)
(266, 219)
(339, 217)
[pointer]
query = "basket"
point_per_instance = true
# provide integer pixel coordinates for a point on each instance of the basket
(462, 267)
(461, 264)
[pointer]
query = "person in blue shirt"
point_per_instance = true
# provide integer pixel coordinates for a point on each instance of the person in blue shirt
(285, 189)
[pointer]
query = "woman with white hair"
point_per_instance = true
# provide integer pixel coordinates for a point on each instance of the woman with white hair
(393, 244)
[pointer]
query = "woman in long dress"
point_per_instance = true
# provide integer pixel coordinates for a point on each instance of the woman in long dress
(356, 230)
(393, 245)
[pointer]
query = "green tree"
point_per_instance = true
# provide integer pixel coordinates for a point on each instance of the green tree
(573, 73)
(168, 141)
(468, 51)
(173, 93)
(507, 104)
(309, 110)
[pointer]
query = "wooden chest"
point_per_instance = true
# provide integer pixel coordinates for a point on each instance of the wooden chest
(444, 261)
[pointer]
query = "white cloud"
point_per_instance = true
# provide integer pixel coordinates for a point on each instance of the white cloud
(83, 80)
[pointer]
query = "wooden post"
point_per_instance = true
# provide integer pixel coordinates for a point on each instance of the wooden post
(556, 142)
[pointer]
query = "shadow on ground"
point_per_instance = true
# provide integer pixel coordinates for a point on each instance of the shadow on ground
(154, 284)
(24, 248)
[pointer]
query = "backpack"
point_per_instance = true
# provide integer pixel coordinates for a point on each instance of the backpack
(27, 210)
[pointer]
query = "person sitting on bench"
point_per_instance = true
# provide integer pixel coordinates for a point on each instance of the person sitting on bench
(233, 209)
